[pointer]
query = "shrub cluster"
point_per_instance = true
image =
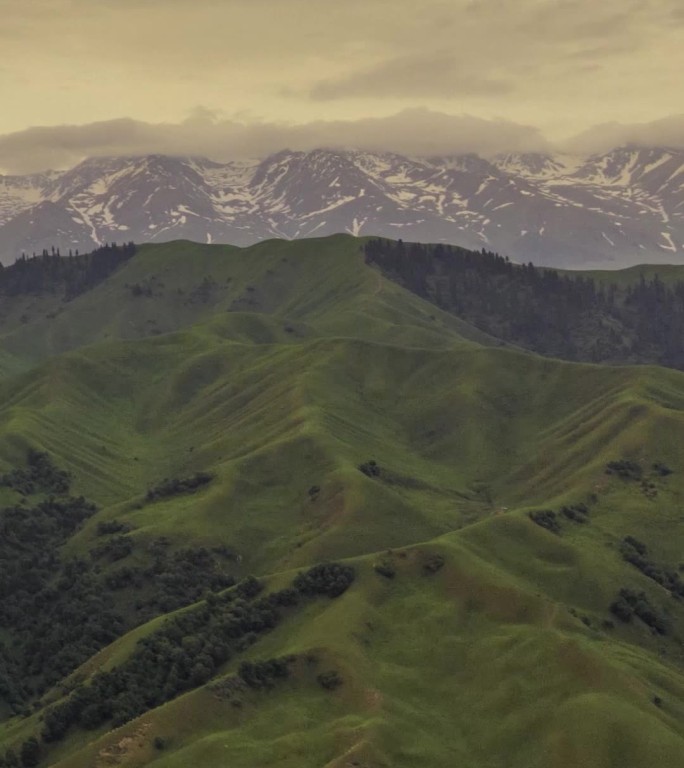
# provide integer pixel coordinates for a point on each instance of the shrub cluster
(331, 579)
(635, 552)
(173, 579)
(107, 527)
(263, 674)
(370, 468)
(576, 512)
(546, 518)
(629, 603)
(39, 476)
(175, 486)
(625, 469)
(115, 548)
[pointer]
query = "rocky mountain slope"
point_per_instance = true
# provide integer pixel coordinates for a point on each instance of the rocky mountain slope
(612, 210)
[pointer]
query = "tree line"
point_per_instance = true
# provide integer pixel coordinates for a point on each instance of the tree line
(71, 275)
(565, 315)
(189, 649)
(57, 611)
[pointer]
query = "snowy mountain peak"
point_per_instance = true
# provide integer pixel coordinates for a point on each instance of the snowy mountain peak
(622, 207)
(626, 165)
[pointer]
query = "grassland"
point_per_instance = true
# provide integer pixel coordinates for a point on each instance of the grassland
(287, 369)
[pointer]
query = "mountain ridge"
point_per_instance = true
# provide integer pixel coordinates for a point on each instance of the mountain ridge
(610, 210)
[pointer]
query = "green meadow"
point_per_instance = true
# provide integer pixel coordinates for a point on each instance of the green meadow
(282, 370)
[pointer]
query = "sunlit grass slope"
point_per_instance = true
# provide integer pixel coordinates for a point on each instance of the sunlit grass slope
(459, 433)
(470, 666)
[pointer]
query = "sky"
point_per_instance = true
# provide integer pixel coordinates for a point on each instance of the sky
(231, 77)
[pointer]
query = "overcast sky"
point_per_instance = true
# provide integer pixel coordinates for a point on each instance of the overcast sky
(127, 75)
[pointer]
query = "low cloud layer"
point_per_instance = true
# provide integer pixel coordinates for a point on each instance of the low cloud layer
(413, 132)
(667, 132)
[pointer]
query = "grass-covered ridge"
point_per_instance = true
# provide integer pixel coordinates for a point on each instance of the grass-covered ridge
(486, 499)
(274, 292)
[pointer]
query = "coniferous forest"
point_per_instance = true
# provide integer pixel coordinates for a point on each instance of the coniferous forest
(553, 313)
(71, 274)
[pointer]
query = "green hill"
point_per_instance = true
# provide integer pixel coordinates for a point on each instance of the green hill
(277, 291)
(513, 524)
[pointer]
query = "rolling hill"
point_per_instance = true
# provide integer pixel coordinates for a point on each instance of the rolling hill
(511, 524)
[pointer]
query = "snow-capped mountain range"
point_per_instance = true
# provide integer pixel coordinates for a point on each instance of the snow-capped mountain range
(616, 209)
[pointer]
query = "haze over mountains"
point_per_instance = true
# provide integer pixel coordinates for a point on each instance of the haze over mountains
(615, 209)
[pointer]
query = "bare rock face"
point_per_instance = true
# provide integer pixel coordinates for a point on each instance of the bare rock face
(611, 210)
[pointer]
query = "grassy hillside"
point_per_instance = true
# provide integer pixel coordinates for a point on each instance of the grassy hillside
(277, 291)
(509, 677)
(337, 417)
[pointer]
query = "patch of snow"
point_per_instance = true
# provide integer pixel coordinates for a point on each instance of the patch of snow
(402, 196)
(652, 166)
(483, 185)
(185, 209)
(356, 226)
(670, 243)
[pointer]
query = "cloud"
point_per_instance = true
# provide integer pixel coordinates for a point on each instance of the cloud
(412, 131)
(560, 64)
(439, 74)
(666, 132)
